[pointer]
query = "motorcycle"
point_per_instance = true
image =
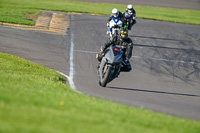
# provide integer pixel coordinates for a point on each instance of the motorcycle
(114, 27)
(110, 65)
(127, 18)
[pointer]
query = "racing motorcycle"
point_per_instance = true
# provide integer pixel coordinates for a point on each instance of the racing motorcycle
(114, 27)
(127, 18)
(110, 65)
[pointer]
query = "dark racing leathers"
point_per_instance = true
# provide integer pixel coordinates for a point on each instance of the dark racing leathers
(132, 17)
(127, 46)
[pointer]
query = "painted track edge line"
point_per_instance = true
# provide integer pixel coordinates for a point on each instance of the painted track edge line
(71, 82)
(71, 71)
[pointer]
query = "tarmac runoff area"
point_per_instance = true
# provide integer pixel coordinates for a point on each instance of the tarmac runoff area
(48, 21)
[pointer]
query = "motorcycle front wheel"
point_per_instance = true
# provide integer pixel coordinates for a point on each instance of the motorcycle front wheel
(105, 78)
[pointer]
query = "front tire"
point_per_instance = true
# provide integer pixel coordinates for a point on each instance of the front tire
(105, 78)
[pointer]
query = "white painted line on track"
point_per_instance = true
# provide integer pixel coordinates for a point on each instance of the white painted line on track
(70, 80)
(139, 57)
(91, 52)
(71, 70)
(63, 74)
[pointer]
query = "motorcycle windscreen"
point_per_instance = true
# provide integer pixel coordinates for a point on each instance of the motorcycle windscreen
(114, 57)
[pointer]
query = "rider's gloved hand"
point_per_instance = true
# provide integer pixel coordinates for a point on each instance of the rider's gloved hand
(100, 55)
(101, 50)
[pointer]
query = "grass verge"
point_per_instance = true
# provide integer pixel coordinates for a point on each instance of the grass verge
(15, 11)
(36, 99)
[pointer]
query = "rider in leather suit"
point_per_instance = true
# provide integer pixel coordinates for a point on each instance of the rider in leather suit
(115, 14)
(130, 11)
(125, 43)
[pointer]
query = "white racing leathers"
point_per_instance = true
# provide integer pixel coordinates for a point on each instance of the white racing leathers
(114, 27)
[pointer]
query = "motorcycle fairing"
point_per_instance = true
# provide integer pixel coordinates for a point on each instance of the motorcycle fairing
(115, 21)
(112, 58)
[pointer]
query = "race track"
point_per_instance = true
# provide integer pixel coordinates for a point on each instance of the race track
(166, 66)
(166, 62)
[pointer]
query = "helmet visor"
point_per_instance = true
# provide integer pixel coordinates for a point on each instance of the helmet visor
(115, 14)
(129, 11)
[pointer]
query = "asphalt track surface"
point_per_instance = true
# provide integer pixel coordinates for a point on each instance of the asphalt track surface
(166, 66)
(166, 62)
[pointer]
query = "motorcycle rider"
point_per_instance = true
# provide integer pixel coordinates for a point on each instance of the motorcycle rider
(125, 43)
(115, 14)
(132, 13)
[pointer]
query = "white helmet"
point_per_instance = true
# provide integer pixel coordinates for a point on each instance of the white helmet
(115, 12)
(130, 7)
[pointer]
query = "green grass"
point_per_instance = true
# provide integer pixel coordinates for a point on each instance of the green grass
(36, 99)
(14, 11)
